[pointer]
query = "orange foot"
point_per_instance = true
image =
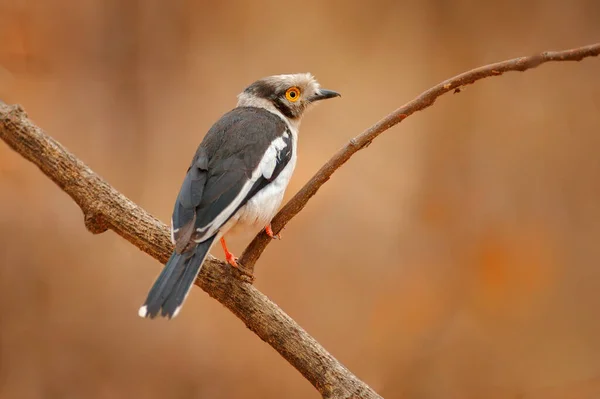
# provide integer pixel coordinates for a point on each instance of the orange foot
(229, 257)
(269, 232)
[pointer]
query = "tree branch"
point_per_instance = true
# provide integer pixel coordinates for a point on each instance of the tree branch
(105, 208)
(425, 100)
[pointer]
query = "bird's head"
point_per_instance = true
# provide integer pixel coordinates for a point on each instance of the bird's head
(289, 94)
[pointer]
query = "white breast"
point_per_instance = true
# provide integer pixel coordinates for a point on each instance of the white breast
(260, 209)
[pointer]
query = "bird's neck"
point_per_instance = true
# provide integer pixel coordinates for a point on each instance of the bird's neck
(245, 100)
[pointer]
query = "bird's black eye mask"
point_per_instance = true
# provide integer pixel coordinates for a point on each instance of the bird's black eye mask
(285, 107)
(262, 90)
(279, 98)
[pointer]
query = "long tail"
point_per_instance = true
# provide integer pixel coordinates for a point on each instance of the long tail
(173, 285)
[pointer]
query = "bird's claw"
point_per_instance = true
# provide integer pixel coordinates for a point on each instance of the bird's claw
(269, 232)
(232, 260)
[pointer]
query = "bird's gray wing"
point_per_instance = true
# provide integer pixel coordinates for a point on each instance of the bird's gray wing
(244, 151)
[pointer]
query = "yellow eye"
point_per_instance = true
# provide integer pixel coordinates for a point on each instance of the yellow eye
(292, 94)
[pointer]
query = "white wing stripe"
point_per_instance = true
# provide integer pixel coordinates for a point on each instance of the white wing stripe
(266, 167)
(269, 160)
(173, 232)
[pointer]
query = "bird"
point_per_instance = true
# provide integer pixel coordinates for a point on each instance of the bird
(235, 182)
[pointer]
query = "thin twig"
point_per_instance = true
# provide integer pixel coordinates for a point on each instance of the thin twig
(424, 100)
(105, 208)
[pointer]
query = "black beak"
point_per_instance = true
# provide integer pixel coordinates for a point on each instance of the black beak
(324, 94)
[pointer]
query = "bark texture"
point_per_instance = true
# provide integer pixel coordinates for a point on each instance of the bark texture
(105, 208)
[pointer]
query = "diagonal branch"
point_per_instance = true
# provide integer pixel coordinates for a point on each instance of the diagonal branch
(424, 100)
(105, 208)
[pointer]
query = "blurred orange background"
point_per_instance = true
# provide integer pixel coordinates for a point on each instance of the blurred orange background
(456, 257)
